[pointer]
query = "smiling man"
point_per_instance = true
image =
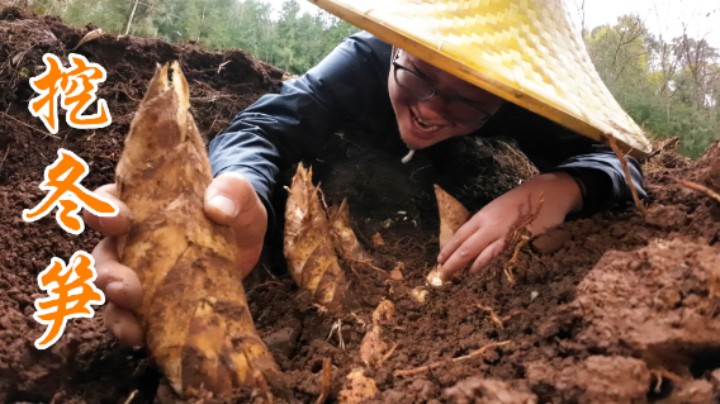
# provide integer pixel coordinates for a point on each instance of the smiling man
(394, 94)
(432, 105)
(398, 99)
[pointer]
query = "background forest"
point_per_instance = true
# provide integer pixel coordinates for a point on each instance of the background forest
(671, 88)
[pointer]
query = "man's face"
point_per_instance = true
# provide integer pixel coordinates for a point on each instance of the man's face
(432, 105)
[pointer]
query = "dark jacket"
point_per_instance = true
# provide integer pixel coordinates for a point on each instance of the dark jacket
(350, 87)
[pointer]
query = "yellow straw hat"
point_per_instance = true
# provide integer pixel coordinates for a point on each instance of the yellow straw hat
(526, 51)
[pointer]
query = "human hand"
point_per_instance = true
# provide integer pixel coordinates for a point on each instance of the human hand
(119, 283)
(483, 238)
(229, 200)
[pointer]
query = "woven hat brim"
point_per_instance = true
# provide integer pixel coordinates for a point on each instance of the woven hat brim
(525, 51)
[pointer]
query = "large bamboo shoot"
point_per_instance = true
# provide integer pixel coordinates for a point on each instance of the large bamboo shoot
(194, 310)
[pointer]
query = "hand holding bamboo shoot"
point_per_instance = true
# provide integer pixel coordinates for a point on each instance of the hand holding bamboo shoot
(194, 310)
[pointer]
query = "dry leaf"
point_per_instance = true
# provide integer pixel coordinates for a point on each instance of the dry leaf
(18, 58)
(90, 36)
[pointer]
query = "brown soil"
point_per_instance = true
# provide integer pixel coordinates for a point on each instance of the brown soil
(613, 308)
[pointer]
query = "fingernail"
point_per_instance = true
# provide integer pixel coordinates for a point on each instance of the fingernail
(225, 205)
(114, 287)
(117, 331)
(101, 225)
(117, 291)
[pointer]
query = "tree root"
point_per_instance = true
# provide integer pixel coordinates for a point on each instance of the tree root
(519, 236)
(623, 162)
(476, 353)
(698, 187)
(493, 316)
(660, 375)
(325, 382)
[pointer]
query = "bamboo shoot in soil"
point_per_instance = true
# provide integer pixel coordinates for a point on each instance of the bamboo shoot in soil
(452, 216)
(194, 311)
(311, 242)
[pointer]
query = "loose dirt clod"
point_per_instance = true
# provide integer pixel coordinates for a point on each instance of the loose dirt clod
(419, 294)
(194, 310)
(360, 388)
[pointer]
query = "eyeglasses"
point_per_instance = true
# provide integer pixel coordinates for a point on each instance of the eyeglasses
(459, 110)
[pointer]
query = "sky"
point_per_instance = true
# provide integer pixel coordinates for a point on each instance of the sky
(701, 18)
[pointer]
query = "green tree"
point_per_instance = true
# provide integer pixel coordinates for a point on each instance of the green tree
(295, 41)
(252, 28)
(619, 53)
(698, 58)
(668, 88)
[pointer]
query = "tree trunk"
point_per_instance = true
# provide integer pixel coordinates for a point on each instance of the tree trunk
(132, 15)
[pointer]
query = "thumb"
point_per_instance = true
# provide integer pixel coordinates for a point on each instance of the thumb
(232, 201)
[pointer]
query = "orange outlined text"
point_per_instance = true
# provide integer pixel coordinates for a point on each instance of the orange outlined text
(62, 181)
(76, 87)
(71, 292)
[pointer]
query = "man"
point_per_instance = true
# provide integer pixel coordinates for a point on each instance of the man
(366, 82)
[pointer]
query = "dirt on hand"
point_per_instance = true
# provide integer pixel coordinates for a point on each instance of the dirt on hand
(615, 307)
